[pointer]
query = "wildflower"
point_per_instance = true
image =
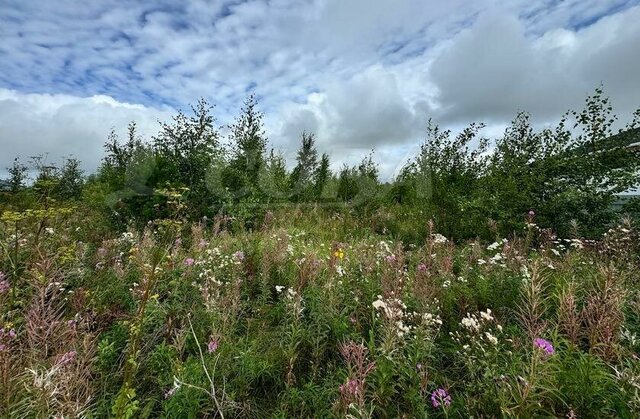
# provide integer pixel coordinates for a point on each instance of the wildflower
(239, 255)
(493, 246)
(532, 213)
(439, 238)
(470, 323)
(422, 268)
(339, 253)
(172, 390)
(189, 261)
(4, 284)
(379, 303)
(492, 339)
(440, 397)
(279, 288)
(390, 259)
(49, 230)
(67, 358)
(212, 346)
(486, 315)
(545, 345)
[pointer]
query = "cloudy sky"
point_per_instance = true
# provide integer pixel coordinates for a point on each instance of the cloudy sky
(361, 74)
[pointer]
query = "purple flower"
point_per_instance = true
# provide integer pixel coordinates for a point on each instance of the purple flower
(212, 346)
(391, 258)
(239, 255)
(189, 261)
(422, 268)
(440, 397)
(545, 345)
(532, 213)
(4, 285)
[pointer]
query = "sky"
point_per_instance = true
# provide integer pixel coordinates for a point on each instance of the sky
(360, 74)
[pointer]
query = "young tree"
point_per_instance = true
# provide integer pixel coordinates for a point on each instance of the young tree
(274, 181)
(17, 176)
(249, 144)
(187, 147)
(301, 180)
(70, 180)
(321, 176)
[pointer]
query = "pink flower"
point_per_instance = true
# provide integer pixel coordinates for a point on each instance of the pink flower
(545, 345)
(239, 255)
(440, 397)
(189, 261)
(4, 286)
(67, 357)
(170, 392)
(422, 268)
(212, 346)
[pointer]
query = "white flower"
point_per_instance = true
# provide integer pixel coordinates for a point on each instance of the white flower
(49, 230)
(379, 304)
(470, 323)
(491, 338)
(486, 315)
(279, 288)
(439, 238)
(493, 246)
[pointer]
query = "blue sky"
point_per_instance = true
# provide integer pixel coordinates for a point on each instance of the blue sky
(361, 74)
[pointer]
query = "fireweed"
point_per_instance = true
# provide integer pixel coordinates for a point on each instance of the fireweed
(270, 308)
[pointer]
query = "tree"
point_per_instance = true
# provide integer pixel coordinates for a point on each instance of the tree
(70, 180)
(321, 176)
(301, 180)
(187, 146)
(17, 176)
(249, 144)
(274, 181)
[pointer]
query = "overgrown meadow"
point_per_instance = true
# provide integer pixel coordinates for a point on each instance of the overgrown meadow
(314, 314)
(189, 278)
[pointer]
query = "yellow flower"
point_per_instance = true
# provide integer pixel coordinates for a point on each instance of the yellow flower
(339, 254)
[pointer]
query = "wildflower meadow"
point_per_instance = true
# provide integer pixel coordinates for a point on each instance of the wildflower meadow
(183, 281)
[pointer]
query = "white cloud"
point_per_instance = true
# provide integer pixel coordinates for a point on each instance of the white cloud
(359, 73)
(63, 125)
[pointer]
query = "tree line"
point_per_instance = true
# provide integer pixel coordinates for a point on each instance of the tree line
(568, 175)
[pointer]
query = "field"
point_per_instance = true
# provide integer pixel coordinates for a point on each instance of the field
(314, 313)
